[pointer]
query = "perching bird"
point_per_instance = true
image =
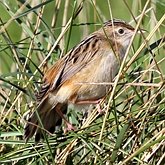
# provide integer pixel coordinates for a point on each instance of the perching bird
(96, 59)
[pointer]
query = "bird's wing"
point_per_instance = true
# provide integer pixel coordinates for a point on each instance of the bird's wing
(76, 59)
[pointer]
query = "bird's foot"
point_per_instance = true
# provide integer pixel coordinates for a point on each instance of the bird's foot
(69, 127)
(99, 109)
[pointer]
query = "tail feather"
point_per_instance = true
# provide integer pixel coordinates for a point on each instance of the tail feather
(49, 118)
(49, 121)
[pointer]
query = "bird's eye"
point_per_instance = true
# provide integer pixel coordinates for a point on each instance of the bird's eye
(121, 31)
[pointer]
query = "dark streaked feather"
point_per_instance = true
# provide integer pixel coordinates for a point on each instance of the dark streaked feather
(118, 22)
(40, 95)
(75, 60)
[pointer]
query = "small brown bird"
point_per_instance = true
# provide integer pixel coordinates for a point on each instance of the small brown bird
(96, 59)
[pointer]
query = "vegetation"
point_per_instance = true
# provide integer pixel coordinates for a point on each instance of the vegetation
(34, 34)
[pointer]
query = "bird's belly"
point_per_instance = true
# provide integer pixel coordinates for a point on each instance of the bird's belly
(91, 84)
(92, 92)
(96, 85)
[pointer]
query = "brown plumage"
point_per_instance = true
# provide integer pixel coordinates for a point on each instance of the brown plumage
(95, 59)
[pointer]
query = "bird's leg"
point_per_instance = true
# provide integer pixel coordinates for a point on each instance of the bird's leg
(68, 124)
(100, 111)
(97, 102)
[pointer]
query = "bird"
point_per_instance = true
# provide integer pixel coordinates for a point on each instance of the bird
(96, 59)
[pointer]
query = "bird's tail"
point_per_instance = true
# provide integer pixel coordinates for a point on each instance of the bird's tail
(49, 119)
